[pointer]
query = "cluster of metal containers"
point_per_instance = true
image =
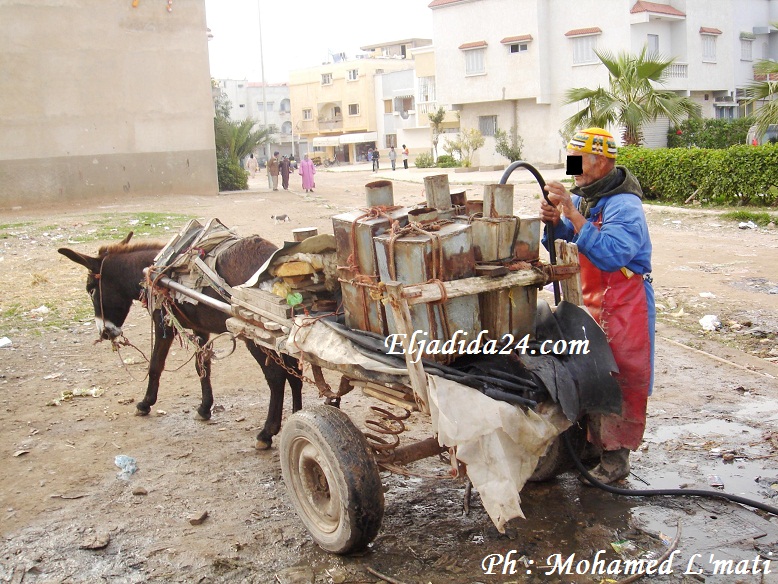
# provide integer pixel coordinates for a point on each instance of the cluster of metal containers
(442, 240)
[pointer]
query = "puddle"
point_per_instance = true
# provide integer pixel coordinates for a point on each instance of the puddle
(764, 411)
(704, 430)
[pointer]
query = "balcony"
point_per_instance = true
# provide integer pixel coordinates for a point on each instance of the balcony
(330, 122)
(426, 107)
(678, 71)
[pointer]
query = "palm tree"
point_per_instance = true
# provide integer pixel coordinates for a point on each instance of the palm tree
(436, 121)
(766, 89)
(237, 139)
(631, 100)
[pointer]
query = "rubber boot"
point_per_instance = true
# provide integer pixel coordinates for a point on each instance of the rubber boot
(614, 466)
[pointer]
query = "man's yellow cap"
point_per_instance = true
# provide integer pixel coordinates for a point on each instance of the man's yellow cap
(594, 141)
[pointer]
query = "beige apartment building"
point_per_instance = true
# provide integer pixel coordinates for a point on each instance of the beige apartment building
(334, 105)
(104, 99)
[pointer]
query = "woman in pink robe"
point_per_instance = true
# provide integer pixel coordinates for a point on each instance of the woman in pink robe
(307, 170)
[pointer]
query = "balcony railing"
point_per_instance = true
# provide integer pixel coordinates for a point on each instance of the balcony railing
(330, 123)
(678, 71)
(426, 107)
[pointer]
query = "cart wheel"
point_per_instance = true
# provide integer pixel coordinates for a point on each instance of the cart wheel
(557, 459)
(332, 479)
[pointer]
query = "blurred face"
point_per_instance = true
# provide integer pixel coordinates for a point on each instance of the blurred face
(594, 167)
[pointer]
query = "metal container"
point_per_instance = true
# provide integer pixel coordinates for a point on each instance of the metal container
(494, 238)
(437, 191)
(459, 199)
(498, 200)
(446, 254)
(422, 216)
(473, 207)
(379, 193)
(355, 253)
(303, 233)
(528, 242)
(510, 310)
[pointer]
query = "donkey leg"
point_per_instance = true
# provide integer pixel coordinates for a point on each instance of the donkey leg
(275, 375)
(295, 383)
(163, 339)
(203, 367)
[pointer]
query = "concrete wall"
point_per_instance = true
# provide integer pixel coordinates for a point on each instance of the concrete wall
(104, 100)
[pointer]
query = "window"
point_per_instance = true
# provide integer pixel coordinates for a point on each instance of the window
(746, 54)
(652, 43)
(391, 140)
(307, 115)
(326, 78)
(353, 109)
(726, 113)
(242, 105)
(519, 48)
(708, 48)
(269, 105)
(286, 128)
(352, 74)
(487, 125)
(284, 106)
(388, 106)
(474, 62)
(583, 49)
(403, 104)
(426, 89)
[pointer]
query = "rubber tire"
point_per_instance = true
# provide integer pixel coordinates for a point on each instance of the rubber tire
(557, 459)
(332, 479)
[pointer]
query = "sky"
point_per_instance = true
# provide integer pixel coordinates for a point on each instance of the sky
(300, 33)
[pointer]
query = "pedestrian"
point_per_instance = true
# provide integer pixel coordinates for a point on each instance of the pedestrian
(405, 156)
(307, 170)
(392, 157)
(272, 171)
(252, 166)
(604, 217)
(376, 156)
(285, 167)
(370, 155)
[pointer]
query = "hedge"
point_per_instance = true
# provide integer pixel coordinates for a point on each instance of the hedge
(739, 175)
(709, 133)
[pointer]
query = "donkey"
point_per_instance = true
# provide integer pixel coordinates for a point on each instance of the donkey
(115, 280)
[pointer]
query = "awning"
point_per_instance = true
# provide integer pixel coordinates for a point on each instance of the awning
(326, 141)
(360, 137)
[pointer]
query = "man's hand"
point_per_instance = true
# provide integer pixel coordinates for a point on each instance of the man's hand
(561, 203)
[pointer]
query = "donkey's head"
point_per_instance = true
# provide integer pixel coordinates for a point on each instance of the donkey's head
(113, 283)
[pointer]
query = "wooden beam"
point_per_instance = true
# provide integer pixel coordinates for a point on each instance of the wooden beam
(567, 253)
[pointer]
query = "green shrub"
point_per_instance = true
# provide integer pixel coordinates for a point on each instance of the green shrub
(231, 176)
(446, 161)
(709, 133)
(739, 175)
(424, 160)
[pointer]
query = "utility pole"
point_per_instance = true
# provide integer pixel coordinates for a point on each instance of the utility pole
(262, 71)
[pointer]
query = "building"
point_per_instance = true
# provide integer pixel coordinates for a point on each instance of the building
(104, 99)
(246, 101)
(334, 106)
(505, 63)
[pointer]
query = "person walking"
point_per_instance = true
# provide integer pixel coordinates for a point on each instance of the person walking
(604, 217)
(252, 166)
(307, 170)
(272, 171)
(285, 167)
(370, 155)
(405, 153)
(376, 156)
(392, 157)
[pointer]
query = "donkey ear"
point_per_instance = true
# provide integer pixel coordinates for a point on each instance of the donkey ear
(127, 239)
(90, 263)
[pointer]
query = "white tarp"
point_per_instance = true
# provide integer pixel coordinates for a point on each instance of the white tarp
(500, 443)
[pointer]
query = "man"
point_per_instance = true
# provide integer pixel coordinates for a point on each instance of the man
(273, 167)
(285, 167)
(604, 217)
(392, 157)
(405, 156)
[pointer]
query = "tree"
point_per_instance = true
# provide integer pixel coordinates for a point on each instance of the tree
(508, 145)
(630, 101)
(465, 146)
(237, 139)
(766, 89)
(436, 120)
(221, 103)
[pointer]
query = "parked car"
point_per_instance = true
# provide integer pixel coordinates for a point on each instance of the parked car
(769, 137)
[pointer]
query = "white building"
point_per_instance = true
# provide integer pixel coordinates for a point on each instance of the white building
(502, 63)
(246, 101)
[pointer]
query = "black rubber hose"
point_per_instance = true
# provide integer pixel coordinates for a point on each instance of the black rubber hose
(662, 492)
(549, 226)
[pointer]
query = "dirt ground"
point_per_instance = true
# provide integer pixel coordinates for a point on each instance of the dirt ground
(65, 516)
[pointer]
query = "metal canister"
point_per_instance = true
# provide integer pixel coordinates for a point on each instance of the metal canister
(417, 257)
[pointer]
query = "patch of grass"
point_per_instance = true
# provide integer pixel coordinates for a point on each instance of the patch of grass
(761, 218)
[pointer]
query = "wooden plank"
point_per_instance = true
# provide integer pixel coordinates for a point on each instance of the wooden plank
(402, 318)
(421, 293)
(395, 392)
(567, 253)
(263, 313)
(258, 296)
(400, 403)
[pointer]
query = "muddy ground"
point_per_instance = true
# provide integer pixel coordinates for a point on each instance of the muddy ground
(65, 516)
